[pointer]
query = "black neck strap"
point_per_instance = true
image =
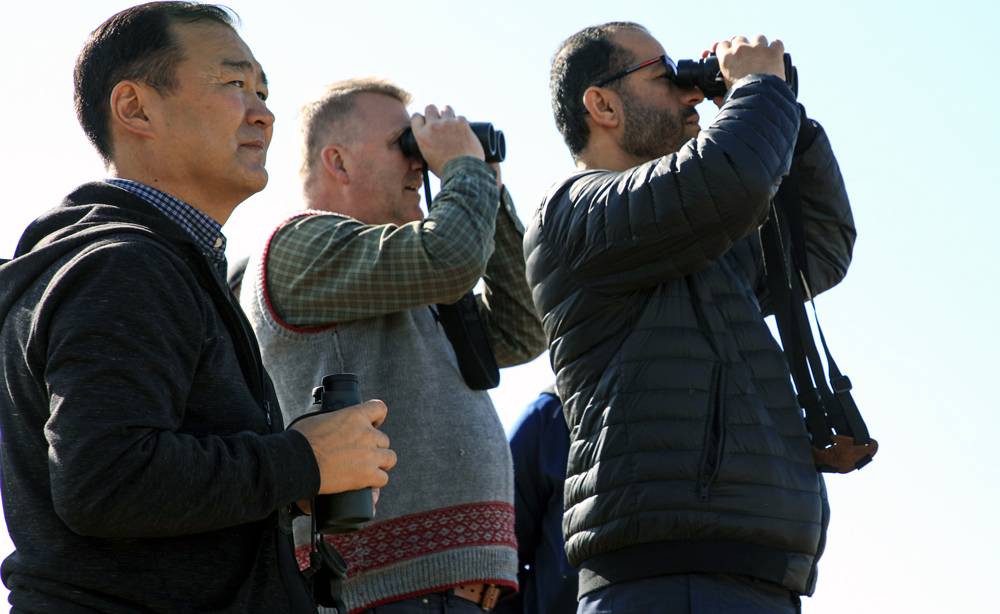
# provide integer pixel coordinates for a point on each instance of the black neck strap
(830, 410)
(466, 332)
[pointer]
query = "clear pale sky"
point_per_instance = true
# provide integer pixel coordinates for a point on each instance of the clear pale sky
(906, 92)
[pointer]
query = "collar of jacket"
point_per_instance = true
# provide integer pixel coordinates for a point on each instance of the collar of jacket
(98, 210)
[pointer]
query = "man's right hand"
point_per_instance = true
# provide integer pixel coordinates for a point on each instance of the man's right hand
(739, 57)
(442, 137)
(350, 450)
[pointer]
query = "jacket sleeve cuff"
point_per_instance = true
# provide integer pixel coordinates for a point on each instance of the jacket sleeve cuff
(774, 80)
(293, 465)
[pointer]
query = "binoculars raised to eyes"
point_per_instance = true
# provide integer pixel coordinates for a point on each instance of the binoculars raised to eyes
(493, 142)
(705, 74)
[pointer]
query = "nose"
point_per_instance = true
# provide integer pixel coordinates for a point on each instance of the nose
(416, 163)
(258, 114)
(692, 96)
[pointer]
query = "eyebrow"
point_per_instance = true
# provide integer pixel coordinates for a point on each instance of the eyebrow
(244, 65)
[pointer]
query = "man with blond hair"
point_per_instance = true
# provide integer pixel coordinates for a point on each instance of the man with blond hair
(352, 285)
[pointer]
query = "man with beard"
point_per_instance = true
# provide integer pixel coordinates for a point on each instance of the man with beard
(690, 483)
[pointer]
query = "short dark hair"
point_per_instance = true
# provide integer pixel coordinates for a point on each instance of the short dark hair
(135, 44)
(582, 59)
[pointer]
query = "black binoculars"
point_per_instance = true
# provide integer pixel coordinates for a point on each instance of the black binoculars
(706, 76)
(493, 142)
(346, 511)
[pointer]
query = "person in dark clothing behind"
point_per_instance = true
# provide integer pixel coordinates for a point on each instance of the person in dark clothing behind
(690, 482)
(539, 447)
(145, 465)
(235, 273)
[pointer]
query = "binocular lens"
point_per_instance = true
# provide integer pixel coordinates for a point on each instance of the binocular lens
(487, 137)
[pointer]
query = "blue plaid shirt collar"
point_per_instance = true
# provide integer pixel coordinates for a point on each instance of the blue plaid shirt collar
(206, 232)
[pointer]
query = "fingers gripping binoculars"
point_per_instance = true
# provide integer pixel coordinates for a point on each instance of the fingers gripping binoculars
(492, 140)
(346, 511)
(706, 76)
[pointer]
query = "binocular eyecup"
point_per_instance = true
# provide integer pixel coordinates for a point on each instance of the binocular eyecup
(493, 142)
(706, 76)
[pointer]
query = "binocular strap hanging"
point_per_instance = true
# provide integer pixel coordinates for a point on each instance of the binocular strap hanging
(466, 332)
(326, 572)
(840, 438)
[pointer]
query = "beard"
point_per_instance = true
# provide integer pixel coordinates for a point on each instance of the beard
(651, 133)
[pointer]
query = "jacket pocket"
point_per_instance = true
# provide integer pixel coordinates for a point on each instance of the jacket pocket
(714, 440)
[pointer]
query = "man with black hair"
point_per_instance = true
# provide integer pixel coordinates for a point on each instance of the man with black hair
(690, 483)
(144, 458)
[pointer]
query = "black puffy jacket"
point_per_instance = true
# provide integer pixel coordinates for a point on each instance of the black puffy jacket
(689, 453)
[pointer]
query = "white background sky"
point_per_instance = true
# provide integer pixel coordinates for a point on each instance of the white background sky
(907, 92)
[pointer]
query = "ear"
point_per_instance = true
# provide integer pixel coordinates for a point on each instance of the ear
(603, 106)
(129, 102)
(334, 164)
